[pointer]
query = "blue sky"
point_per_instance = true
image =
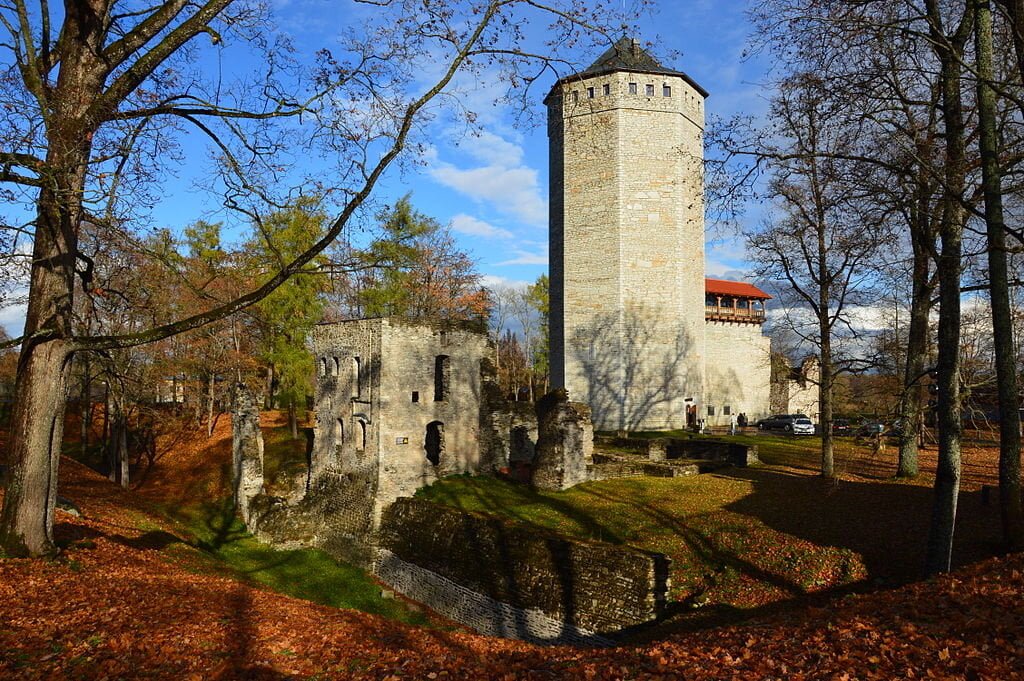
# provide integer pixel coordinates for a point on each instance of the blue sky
(491, 186)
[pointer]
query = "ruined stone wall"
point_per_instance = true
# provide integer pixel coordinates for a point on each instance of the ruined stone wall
(595, 587)
(246, 449)
(346, 405)
(508, 430)
(737, 373)
(409, 370)
(336, 515)
(565, 443)
(627, 247)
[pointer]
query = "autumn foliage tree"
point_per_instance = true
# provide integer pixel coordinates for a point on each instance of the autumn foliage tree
(97, 98)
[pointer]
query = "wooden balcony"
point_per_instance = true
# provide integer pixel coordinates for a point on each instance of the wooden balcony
(733, 314)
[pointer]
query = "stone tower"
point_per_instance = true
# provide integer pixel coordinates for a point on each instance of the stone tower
(627, 240)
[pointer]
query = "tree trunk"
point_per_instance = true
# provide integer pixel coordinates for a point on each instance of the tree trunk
(999, 290)
(268, 399)
(293, 420)
(911, 407)
(209, 407)
(85, 410)
(37, 429)
(947, 476)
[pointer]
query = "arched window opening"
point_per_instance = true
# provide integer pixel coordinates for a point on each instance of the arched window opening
(336, 368)
(433, 444)
(339, 433)
(361, 435)
(442, 377)
(323, 366)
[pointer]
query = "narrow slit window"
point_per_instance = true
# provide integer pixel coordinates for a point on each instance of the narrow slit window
(442, 377)
(415, 395)
(606, 90)
(357, 378)
(575, 96)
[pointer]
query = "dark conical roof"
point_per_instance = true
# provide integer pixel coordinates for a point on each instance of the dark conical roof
(626, 54)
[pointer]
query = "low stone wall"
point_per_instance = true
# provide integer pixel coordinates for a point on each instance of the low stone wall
(660, 449)
(481, 613)
(585, 586)
(609, 466)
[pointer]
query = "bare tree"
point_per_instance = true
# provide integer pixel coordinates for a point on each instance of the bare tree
(824, 244)
(95, 101)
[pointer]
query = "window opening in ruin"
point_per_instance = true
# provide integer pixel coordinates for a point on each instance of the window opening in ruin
(632, 88)
(575, 96)
(442, 376)
(607, 89)
(337, 366)
(357, 378)
(415, 395)
(323, 366)
(590, 93)
(433, 444)
(666, 90)
(650, 90)
(520, 445)
(361, 435)
(711, 410)
(339, 433)
(727, 410)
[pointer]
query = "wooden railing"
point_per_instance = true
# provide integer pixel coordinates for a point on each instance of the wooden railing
(748, 315)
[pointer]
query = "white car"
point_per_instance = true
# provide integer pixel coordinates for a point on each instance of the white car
(803, 426)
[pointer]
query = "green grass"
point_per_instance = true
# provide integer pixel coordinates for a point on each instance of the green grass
(719, 554)
(309, 574)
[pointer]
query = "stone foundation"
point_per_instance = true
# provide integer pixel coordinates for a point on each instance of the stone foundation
(584, 586)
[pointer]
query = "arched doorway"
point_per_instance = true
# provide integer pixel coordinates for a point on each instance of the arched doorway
(433, 444)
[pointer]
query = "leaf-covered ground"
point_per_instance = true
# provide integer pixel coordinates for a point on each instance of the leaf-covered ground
(127, 599)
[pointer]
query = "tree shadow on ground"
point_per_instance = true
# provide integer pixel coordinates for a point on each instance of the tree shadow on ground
(885, 522)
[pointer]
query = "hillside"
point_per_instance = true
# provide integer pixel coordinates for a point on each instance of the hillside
(128, 598)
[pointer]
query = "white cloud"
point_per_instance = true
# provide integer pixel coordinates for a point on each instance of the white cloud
(494, 150)
(504, 182)
(494, 282)
(467, 224)
(521, 256)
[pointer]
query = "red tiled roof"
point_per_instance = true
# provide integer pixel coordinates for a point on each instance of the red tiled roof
(734, 288)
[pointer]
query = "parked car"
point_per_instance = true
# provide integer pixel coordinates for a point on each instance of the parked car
(785, 422)
(802, 426)
(776, 422)
(841, 426)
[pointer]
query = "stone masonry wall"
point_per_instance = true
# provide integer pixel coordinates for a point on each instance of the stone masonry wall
(591, 586)
(627, 247)
(737, 373)
(481, 613)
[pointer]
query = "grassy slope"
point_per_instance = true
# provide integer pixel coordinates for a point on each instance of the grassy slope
(744, 538)
(190, 488)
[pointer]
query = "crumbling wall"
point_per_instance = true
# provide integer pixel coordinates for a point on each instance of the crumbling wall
(584, 586)
(246, 449)
(335, 515)
(565, 442)
(508, 430)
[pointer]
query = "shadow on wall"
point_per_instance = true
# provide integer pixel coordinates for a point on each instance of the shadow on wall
(634, 377)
